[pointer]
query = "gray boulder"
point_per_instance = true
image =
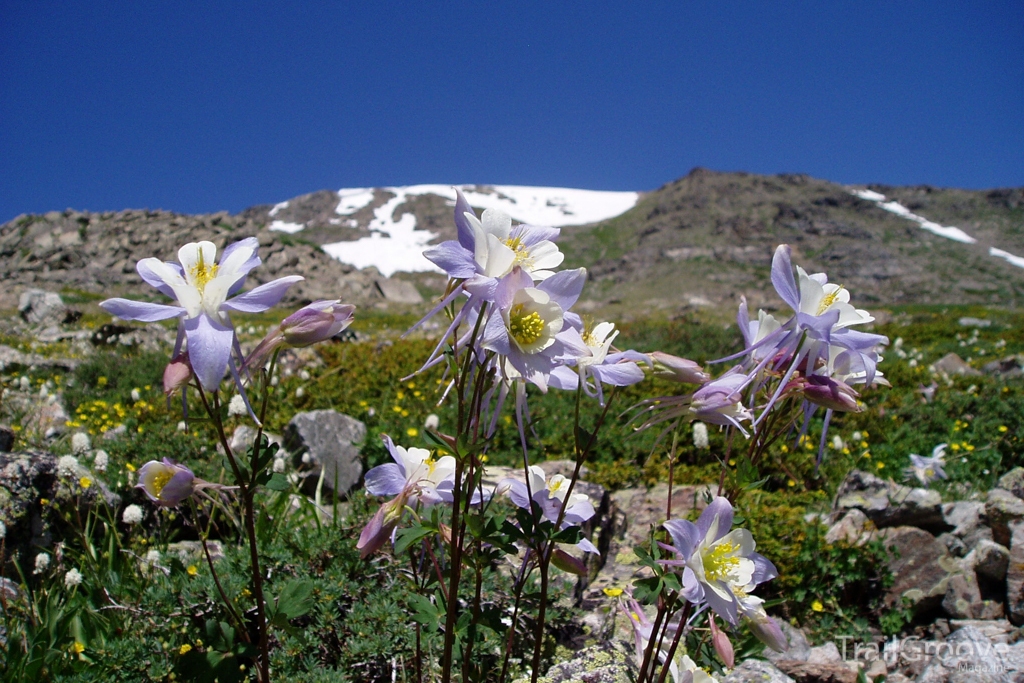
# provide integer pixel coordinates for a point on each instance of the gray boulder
(990, 561)
(327, 441)
(967, 517)
(42, 308)
(969, 657)
(952, 364)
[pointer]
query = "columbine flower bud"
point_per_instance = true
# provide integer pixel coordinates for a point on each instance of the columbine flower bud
(177, 373)
(830, 393)
(568, 563)
(166, 483)
(314, 323)
(722, 644)
(678, 369)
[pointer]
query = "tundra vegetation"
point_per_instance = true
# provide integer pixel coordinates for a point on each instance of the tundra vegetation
(175, 554)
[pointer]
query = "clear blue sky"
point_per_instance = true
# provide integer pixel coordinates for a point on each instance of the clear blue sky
(202, 106)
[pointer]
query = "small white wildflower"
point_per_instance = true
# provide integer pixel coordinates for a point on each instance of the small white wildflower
(274, 380)
(182, 427)
(432, 422)
(67, 466)
(837, 443)
(153, 557)
(25, 383)
(72, 578)
(856, 436)
(307, 458)
(237, 406)
(300, 392)
(251, 330)
(3, 530)
(913, 363)
(700, 435)
(42, 563)
(279, 465)
(43, 392)
(371, 411)
(304, 376)
(136, 395)
(293, 478)
(132, 514)
(80, 442)
(101, 460)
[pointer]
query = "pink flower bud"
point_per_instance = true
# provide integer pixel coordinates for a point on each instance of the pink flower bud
(722, 644)
(678, 369)
(830, 393)
(177, 373)
(166, 483)
(568, 563)
(316, 322)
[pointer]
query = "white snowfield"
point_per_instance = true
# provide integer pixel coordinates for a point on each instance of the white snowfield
(952, 233)
(397, 246)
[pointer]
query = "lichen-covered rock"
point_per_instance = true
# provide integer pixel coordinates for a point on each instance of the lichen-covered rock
(757, 671)
(1013, 481)
(921, 567)
(850, 529)
(1002, 508)
(1015, 574)
(606, 663)
(967, 517)
(969, 657)
(990, 561)
(888, 504)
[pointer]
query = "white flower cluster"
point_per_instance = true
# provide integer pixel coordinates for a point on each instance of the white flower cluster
(100, 461)
(72, 578)
(80, 442)
(132, 515)
(67, 466)
(42, 563)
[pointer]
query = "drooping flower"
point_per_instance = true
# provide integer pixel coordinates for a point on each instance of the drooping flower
(678, 369)
(311, 324)
(719, 565)
(720, 401)
(201, 286)
(764, 628)
(166, 483)
(549, 494)
(415, 477)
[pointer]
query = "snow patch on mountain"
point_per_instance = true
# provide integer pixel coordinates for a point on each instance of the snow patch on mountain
(396, 245)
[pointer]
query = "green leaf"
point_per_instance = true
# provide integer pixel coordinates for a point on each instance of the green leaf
(278, 482)
(295, 599)
(406, 537)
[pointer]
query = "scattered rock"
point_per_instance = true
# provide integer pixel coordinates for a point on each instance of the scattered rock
(1015, 574)
(990, 561)
(1013, 481)
(818, 672)
(968, 657)
(757, 671)
(329, 441)
(922, 569)
(1001, 509)
(975, 322)
(799, 649)
(888, 504)
(967, 517)
(42, 308)
(952, 364)
(963, 597)
(398, 291)
(1011, 366)
(606, 663)
(851, 529)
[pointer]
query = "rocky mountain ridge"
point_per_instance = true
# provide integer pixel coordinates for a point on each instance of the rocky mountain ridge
(702, 240)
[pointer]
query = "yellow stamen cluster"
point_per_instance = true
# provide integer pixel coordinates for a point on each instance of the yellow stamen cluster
(522, 257)
(719, 562)
(525, 328)
(828, 300)
(202, 273)
(160, 481)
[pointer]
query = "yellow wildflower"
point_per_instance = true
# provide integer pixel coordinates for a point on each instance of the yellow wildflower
(192, 570)
(85, 482)
(817, 606)
(612, 592)
(184, 649)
